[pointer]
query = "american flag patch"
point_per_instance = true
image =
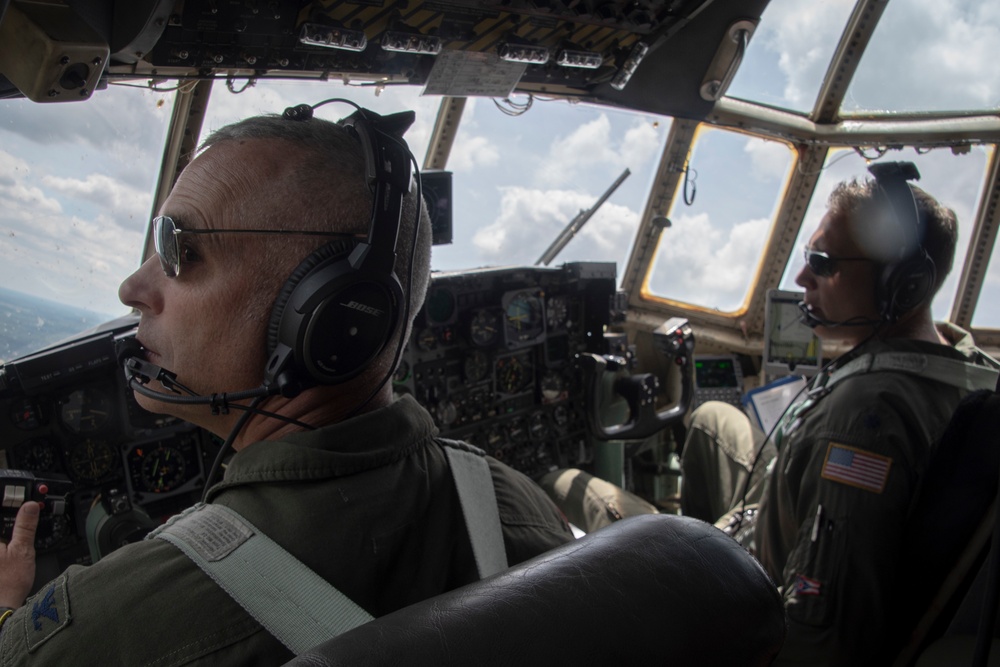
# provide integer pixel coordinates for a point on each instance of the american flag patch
(806, 586)
(856, 467)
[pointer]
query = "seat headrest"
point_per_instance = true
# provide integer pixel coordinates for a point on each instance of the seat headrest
(654, 588)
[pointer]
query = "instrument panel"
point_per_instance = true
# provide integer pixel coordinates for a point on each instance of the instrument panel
(65, 413)
(492, 358)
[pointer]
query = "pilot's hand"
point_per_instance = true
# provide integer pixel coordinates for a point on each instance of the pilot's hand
(17, 557)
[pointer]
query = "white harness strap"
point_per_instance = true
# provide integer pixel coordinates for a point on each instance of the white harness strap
(296, 605)
(291, 601)
(479, 506)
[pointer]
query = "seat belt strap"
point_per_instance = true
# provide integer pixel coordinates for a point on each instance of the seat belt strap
(478, 499)
(293, 603)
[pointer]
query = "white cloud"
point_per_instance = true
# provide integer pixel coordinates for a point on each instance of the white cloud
(593, 143)
(123, 202)
(471, 152)
(697, 261)
(770, 159)
(530, 220)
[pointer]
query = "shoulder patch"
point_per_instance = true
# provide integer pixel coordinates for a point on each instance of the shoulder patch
(47, 613)
(856, 467)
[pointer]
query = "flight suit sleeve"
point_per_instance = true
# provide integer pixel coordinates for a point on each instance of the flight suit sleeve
(530, 521)
(834, 520)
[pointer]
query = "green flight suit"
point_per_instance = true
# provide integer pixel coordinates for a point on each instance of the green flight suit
(829, 528)
(368, 504)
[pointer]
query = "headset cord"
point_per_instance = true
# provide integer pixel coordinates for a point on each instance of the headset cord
(756, 457)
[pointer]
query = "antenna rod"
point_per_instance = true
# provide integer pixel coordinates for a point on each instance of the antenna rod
(577, 223)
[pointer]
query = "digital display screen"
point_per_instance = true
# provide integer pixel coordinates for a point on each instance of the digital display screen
(789, 343)
(715, 373)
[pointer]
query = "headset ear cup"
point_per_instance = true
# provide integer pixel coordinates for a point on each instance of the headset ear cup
(906, 285)
(330, 251)
(330, 320)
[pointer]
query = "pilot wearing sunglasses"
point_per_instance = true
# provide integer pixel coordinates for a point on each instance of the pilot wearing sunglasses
(350, 482)
(824, 501)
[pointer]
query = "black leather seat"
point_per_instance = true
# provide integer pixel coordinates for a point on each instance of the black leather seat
(645, 590)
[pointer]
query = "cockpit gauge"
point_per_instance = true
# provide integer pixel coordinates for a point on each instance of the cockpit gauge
(484, 329)
(163, 469)
(85, 410)
(91, 460)
(38, 455)
(164, 466)
(513, 374)
(524, 317)
(440, 306)
(476, 366)
(26, 414)
(427, 339)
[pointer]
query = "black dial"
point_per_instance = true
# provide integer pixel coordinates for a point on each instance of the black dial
(163, 469)
(476, 366)
(38, 456)
(91, 460)
(484, 328)
(85, 410)
(513, 375)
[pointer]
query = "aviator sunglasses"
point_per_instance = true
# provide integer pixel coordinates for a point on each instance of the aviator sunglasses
(166, 240)
(821, 264)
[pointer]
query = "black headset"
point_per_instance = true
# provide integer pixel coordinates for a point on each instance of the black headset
(341, 305)
(907, 281)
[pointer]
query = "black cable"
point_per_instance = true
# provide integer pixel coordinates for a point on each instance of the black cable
(227, 446)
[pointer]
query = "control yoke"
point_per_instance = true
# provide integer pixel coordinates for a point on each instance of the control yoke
(675, 340)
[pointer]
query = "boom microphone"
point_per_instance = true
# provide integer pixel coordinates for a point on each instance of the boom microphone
(812, 320)
(139, 372)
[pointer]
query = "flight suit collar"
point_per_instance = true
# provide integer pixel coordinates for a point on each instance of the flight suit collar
(365, 442)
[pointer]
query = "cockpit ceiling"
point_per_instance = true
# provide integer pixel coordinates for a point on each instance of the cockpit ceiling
(292, 38)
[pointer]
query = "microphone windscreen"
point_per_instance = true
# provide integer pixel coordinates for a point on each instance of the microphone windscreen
(127, 348)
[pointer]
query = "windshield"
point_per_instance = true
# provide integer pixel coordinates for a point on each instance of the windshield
(76, 187)
(77, 184)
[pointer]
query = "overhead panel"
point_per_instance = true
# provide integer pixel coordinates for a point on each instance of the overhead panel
(588, 49)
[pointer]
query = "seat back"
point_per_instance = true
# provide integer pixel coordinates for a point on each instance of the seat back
(648, 589)
(948, 531)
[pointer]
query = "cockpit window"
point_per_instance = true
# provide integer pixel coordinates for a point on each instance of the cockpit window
(721, 217)
(790, 52)
(956, 180)
(930, 56)
(76, 189)
(521, 179)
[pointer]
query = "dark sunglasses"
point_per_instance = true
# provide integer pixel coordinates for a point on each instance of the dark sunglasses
(823, 265)
(166, 240)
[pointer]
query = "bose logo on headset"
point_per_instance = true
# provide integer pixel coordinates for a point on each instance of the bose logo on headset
(362, 308)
